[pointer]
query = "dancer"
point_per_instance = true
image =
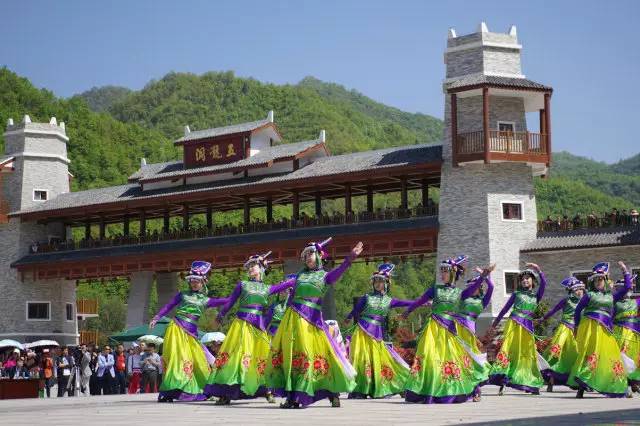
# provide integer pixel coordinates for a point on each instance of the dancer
(306, 364)
(627, 332)
(518, 363)
(381, 372)
(562, 351)
(473, 301)
(277, 308)
(186, 360)
(241, 362)
(600, 364)
(444, 370)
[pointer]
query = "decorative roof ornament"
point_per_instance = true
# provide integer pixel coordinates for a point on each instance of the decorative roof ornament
(270, 116)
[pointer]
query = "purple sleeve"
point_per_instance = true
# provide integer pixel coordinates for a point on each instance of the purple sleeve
(555, 309)
(619, 294)
(471, 288)
(231, 300)
(543, 285)
(355, 312)
(487, 296)
(212, 303)
(581, 305)
(334, 275)
(428, 295)
(277, 288)
(169, 306)
(505, 309)
(400, 303)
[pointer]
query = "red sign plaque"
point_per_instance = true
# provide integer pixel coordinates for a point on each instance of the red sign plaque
(212, 152)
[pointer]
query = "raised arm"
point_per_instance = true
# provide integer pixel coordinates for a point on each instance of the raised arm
(231, 300)
(169, 306)
(552, 312)
(428, 295)
(400, 303)
(487, 295)
(543, 285)
(504, 310)
(620, 293)
(283, 285)
(355, 312)
(472, 288)
(579, 307)
(215, 302)
(334, 275)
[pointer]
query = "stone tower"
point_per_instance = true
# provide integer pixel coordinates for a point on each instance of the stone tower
(487, 200)
(34, 168)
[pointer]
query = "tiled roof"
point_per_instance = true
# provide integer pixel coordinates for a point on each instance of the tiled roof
(326, 166)
(176, 168)
(584, 238)
(226, 130)
(474, 80)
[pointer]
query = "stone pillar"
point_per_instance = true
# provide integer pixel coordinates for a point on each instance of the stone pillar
(138, 303)
(166, 286)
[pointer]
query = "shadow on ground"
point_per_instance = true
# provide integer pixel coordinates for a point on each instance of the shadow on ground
(619, 417)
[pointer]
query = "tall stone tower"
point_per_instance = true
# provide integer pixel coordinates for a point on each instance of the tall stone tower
(487, 200)
(34, 169)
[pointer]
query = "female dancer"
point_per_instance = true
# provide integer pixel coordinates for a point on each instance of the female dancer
(381, 372)
(277, 309)
(444, 369)
(518, 363)
(473, 300)
(562, 351)
(306, 364)
(600, 364)
(186, 360)
(627, 332)
(241, 362)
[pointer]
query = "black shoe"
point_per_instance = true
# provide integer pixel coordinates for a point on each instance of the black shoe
(223, 400)
(289, 404)
(270, 398)
(335, 401)
(580, 393)
(501, 391)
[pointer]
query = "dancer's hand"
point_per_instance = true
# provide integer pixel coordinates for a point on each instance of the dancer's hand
(533, 266)
(152, 323)
(623, 267)
(357, 249)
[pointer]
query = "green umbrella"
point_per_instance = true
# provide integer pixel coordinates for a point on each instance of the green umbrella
(132, 334)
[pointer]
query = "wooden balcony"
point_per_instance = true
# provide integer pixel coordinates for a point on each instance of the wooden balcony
(88, 336)
(502, 146)
(87, 308)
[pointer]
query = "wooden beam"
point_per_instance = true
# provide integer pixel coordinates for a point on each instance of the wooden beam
(103, 229)
(87, 230)
(209, 217)
(166, 221)
(347, 198)
(125, 225)
(247, 212)
(143, 222)
(369, 199)
(318, 203)
(485, 122)
(404, 195)
(296, 205)
(547, 121)
(269, 210)
(454, 130)
(424, 190)
(185, 216)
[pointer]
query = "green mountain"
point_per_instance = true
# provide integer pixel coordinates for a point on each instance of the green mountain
(630, 166)
(100, 99)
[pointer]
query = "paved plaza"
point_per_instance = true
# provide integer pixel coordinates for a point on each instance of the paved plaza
(513, 408)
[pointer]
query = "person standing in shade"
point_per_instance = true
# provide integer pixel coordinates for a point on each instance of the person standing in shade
(64, 364)
(106, 374)
(120, 367)
(85, 370)
(134, 369)
(48, 371)
(151, 364)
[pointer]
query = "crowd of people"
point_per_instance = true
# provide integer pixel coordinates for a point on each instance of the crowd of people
(614, 218)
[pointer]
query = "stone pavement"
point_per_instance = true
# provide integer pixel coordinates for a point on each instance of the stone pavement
(513, 408)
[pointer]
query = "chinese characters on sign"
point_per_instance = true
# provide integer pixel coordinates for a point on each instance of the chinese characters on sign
(212, 153)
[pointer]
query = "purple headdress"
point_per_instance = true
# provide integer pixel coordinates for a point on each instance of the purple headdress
(530, 272)
(600, 270)
(455, 265)
(385, 272)
(199, 270)
(572, 284)
(318, 248)
(260, 259)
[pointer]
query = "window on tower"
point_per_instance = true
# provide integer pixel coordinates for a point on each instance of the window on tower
(510, 282)
(38, 311)
(40, 195)
(512, 211)
(69, 311)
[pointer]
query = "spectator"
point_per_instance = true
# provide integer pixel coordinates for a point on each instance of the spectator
(64, 363)
(94, 382)
(577, 221)
(85, 371)
(120, 359)
(592, 220)
(19, 371)
(634, 217)
(13, 360)
(624, 218)
(150, 369)
(31, 364)
(134, 369)
(48, 371)
(106, 374)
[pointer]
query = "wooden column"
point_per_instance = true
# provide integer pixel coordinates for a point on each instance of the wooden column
(209, 217)
(269, 210)
(454, 130)
(185, 217)
(102, 228)
(543, 130)
(87, 230)
(318, 205)
(125, 225)
(547, 121)
(347, 198)
(166, 221)
(404, 195)
(424, 189)
(247, 212)
(369, 199)
(296, 205)
(143, 222)
(485, 122)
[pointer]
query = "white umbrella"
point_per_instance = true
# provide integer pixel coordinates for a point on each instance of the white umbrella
(42, 344)
(216, 336)
(150, 338)
(8, 343)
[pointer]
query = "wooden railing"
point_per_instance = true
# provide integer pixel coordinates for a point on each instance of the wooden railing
(88, 336)
(87, 306)
(502, 142)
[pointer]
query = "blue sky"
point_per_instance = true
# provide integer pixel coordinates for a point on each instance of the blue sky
(389, 50)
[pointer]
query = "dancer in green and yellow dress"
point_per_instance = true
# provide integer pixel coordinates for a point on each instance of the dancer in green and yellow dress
(627, 331)
(600, 365)
(445, 369)
(518, 363)
(186, 360)
(306, 364)
(381, 372)
(562, 351)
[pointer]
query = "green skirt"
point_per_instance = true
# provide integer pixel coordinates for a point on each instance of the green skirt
(629, 342)
(239, 370)
(599, 366)
(380, 372)
(518, 363)
(561, 355)
(470, 339)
